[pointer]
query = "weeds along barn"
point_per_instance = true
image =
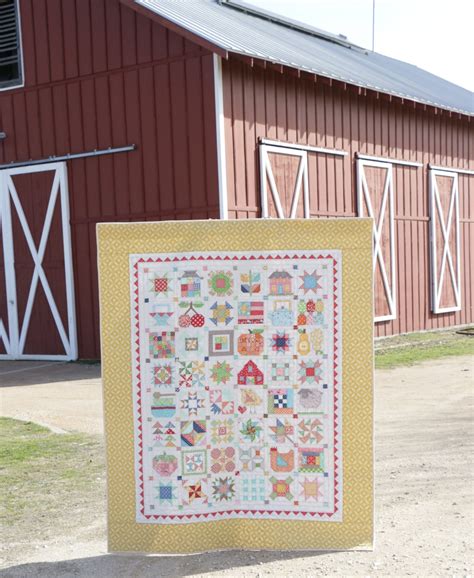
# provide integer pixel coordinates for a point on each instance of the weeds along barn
(133, 110)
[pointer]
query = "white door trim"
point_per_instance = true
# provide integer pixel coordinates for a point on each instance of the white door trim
(10, 338)
(220, 138)
(363, 195)
(301, 182)
(445, 223)
(302, 147)
(14, 340)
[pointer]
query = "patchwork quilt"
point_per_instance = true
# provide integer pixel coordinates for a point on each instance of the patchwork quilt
(236, 360)
(237, 371)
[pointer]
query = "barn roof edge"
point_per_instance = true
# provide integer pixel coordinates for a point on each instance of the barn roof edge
(232, 27)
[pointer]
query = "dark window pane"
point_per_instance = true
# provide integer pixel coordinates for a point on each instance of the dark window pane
(10, 49)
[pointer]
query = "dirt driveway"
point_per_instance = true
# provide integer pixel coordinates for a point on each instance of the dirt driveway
(424, 490)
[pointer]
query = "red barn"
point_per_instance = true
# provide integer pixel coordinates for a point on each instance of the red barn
(133, 110)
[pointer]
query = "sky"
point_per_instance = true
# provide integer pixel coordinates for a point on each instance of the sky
(436, 35)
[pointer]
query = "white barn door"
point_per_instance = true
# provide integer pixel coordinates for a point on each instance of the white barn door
(37, 312)
(284, 182)
(375, 199)
(445, 242)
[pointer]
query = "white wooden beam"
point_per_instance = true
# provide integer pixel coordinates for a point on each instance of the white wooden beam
(302, 147)
(388, 160)
(450, 170)
(220, 138)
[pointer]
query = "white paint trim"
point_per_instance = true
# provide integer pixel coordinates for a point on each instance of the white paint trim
(388, 160)
(307, 214)
(263, 181)
(273, 188)
(220, 138)
(22, 65)
(4, 337)
(68, 262)
(9, 262)
(35, 357)
(302, 147)
(301, 181)
(437, 216)
(363, 195)
(28, 169)
(59, 190)
(450, 170)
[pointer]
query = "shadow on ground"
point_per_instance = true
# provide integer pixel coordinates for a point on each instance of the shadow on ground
(18, 373)
(113, 565)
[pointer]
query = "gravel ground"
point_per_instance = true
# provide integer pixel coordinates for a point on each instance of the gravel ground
(424, 483)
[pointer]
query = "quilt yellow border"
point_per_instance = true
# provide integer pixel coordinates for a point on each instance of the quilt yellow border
(353, 237)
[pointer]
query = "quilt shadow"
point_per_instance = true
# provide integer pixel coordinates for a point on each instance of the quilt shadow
(112, 565)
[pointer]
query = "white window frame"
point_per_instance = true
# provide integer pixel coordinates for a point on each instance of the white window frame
(363, 196)
(446, 223)
(14, 340)
(301, 182)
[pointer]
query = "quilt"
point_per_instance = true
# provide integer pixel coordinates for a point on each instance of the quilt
(237, 369)
(237, 385)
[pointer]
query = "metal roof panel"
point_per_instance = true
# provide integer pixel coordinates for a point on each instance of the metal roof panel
(259, 36)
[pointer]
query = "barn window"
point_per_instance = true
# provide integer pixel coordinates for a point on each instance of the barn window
(10, 45)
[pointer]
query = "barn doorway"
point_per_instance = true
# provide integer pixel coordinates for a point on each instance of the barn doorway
(284, 182)
(375, 199)
(37, 313)
(445, 241)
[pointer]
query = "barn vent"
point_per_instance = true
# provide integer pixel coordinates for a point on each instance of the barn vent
(10, 49)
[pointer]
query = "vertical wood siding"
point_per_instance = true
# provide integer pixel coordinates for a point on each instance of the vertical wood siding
(98, 75)
(264, 103)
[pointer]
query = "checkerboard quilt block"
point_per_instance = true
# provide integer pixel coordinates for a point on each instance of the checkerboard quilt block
(237, 394)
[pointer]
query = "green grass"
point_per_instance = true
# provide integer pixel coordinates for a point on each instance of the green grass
(44, 474)
(410, 349)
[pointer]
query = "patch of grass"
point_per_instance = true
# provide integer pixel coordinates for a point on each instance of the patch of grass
(46, 475)
(86, 361)
(417, 347)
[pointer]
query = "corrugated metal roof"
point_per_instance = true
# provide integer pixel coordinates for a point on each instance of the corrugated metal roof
(240, 32)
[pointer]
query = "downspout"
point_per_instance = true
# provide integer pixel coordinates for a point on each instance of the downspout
(220, 138)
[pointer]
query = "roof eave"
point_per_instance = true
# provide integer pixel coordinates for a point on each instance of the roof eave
(332, 80)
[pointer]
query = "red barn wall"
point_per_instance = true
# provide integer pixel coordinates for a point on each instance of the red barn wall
(265, 103)
(98, 75)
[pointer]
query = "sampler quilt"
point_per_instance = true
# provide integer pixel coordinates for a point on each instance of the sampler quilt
(237, 371)
(237, 381)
